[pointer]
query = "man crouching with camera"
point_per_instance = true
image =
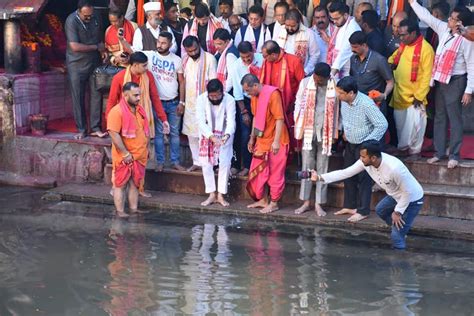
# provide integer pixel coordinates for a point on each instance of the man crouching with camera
(404, 197)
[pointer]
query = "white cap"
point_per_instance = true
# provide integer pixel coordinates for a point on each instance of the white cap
(152, 6)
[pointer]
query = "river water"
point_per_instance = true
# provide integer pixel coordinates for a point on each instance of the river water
(64, 258)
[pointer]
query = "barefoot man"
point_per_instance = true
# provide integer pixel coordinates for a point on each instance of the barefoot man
(128, 127)
(268, 143)
(215, 111)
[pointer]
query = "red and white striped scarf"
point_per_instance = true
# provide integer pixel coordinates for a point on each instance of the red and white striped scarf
(222, 65)
(212, 26)
(332, 51)
(301, 42)
(304, 120)
(331, 118)
(444, 61)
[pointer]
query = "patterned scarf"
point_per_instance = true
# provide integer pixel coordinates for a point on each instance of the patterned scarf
(144, 97)
(201, 81)
(415, 62)
(301, 42)
(249, 36)
(212, 26)
(444, 61)
(332, 51)
(304, 120)
(331, 118)
(222, 65)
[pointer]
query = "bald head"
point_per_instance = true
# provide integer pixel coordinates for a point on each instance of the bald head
(363, 6)
(397, 18)
(234, 23)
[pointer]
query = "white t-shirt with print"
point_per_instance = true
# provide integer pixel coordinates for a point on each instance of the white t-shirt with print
(165, 70)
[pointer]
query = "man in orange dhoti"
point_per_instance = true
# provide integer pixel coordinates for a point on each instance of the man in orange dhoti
(268, 143)
(284, 71)
(129, 129)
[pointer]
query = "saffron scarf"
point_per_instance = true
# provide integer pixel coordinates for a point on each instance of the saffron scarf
(112, 42)
(201, 80)
(415, 62)
(212, 26)
(331, 118)
(129, 128)
(301, 42)
(222, 65)
(444, 61)
(144, 97)
(304, 120)
(283, 81)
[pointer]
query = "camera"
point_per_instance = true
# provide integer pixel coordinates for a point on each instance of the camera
(303, 175)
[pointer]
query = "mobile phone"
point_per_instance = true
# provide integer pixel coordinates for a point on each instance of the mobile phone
(120, 32)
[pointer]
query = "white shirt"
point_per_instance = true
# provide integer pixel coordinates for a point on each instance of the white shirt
(392, 176)
(312, 54)
(276, 31)
(226, 118)
(342, 61)
(230, 61)
(165, 70)
(137, 43)
(464, 62)
(225, 22)
(239, 71)
(322, 44)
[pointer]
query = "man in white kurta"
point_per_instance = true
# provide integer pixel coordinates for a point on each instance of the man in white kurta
(299, 40)
(339, 49)
(215, 114)
(199, 67)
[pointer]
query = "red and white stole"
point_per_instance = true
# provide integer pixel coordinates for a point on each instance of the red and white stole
(304, 119)
(222, 65)
(208, 151)
(301, 42)
(332, 51)
(331, 118)
(445, 58)
(201, 76)
(212, 26)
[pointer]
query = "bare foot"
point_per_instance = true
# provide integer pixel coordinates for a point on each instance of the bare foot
(259, 204)
(221, 200)
(243, 173)
(80, 136)
(452, 163)
(303, 208)
(99, 134)
(344, 211)
(159, 168)
(145, 194)
(319, 210)
(210, 200)
(178, 167)
(272, 207)
(137, 211)
(122, 214)
(356, 218)
(433, 160)
(193, 168)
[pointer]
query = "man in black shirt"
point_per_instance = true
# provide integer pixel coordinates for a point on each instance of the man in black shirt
(85, 48)
(175, 23)
(391, 38)
(370, 21)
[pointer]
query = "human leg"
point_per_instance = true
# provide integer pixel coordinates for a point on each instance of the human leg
(440, 122)
(77, 84)
(308, 163)
(194, 147)
(258, 178)
(350, 185)
(96, 106)
(159, 143)
(276, 178)
(399, 235)
(384, 209)
(457, 87)
(209, 177)
(175, 121)
(322, 162)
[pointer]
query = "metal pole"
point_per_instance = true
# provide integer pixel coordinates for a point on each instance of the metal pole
(11, 34)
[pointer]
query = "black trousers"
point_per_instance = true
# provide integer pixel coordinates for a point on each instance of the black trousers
(357, 189)
(81, 75)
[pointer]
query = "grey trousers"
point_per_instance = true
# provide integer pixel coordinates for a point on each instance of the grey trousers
(449, 108)
(314, 159)
(79, 77)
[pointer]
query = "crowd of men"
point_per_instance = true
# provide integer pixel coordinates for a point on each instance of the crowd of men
(259, 83)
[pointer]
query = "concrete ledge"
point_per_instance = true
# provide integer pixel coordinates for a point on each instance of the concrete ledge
(424, 225)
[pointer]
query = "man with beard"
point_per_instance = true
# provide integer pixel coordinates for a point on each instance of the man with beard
(202, 27)
(404, 198)
(84, 50)
(145, 37)
(339, 48)
(175, 23)
(274, 29)
(215, 111)
(167, 70)
(255, 31)
(298, 40)
(323, 30)
(199, 68)
(128, 127)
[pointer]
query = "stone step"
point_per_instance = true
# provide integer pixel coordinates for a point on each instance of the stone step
(440, 200)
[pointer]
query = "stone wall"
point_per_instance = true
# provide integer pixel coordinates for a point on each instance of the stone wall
(7, 124)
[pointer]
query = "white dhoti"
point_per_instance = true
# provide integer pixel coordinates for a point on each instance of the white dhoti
(411, 126)
(225, 158)
(193, 143)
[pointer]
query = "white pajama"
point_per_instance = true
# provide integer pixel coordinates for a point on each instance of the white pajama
(225, 157)
(194, 146)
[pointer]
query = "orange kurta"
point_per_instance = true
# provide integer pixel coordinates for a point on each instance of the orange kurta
(274, 112)
(137, 146)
